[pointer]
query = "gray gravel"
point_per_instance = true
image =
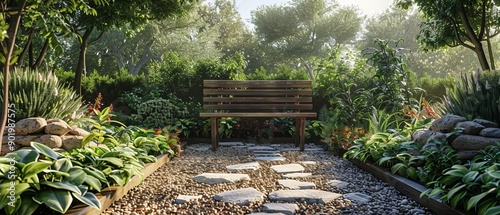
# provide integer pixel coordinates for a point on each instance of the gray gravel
(158, 192)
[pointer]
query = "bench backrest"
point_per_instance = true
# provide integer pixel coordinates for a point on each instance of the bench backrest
(257, 95)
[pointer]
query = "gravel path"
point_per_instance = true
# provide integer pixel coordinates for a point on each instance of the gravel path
(157, 193)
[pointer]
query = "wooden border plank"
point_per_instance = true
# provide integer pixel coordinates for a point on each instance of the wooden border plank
(410, 188)
(111, 194)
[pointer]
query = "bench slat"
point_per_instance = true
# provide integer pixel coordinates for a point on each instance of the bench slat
(258, 84)
(309, 115)
(258, 99)
(271, 107)
(258, 92)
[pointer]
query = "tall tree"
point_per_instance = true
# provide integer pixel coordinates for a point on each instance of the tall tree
(120, 13)
(458, 23)
(303, 28)
(49, 15)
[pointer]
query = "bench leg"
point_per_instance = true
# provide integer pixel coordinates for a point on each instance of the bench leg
(300, 127)
(215, 133)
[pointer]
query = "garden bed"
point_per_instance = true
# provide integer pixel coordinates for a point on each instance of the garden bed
(409, 188)
(109, 195)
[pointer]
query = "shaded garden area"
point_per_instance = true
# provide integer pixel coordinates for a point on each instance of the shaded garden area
(92, 97)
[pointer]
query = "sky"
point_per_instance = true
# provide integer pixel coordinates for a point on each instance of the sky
(367, 7)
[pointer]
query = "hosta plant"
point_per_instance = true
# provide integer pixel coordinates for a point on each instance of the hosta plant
(27, 182)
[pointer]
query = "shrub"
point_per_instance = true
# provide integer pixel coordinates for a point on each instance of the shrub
(161, 112)
(39, 94)
(476, 95)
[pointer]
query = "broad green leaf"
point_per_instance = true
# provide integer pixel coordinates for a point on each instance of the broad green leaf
(470, 176)
(45, 150)
(495, 174)
(456, 173)
(452, 192)
(56, 172)
(115, 161)
(57, 200)
(96, 173)
(93, 182)
(63, 165)
(5, 189)
(435, 191)
(457, 198)
(493, 211)
(475, 199)
(76, 176)
(117, 179)
(63, 186)
(33, 169)
(27, 156)
(28, 204)
(89, 199)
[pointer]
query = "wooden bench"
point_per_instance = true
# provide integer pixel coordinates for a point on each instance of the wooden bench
(257, 99)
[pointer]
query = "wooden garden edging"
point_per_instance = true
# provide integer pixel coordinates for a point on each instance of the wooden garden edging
(110, 194)
(409, 188)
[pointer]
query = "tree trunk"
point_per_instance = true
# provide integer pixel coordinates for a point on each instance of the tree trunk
(77, 85)
(11, 41)
(41, 56)
(478, 46)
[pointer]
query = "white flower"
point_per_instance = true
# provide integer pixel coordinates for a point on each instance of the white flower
(56, 92)
(40, 76)
(487, 85)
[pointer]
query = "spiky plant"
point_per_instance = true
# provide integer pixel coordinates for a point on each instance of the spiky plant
(39, 94)
(476, 95)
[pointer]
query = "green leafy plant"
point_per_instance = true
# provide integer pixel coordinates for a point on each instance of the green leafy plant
(475, 95)
(53, 182)
(40, 94)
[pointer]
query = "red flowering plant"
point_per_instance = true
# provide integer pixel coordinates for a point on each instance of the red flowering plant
(419, 118)
(340, 140)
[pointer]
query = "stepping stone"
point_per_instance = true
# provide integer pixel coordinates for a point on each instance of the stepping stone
(315, 149)
(310, 196)
(266, 152)
(181, 199)
(297, 175)
(305, 163)
(267, 155)
(284, 208)
(270, 158)
(217, 178)
(241, 196)
(239, 147)
(296, 185)
(358, 197)
(338, 183)
(290, 149)
(276, 145)
(200, 149)
(249, 144)
(287, 168)
(244, 166)
(262, 148)
(263, 213)
(231, 144)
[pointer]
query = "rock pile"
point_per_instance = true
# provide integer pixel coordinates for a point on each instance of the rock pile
(54, 133)
(473, 136)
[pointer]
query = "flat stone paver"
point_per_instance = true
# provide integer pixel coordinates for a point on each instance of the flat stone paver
(200, 149)
(244, 166)
(181, 199)
(261, 148)
(315, 149)
(264, 213)
(270, 158)
(358, 197)
(297, 175)
(266, 152)
(267, 155)
(338, 183)
(217, 178)
(241, 196)
(288, 168)
(296, 185)
(308, 163)
(231, 144)
(310, 196)
(285, 208)
(290, 149)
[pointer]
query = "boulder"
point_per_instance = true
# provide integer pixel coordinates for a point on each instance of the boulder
(421, 136)
(26, 140)
(30, 126)
(52, 141)
(486, 123)
(446, 123)
(57, 128)
(9, 148)
(70, 142)
(470, 127)
(467, 154)
(472, 142)
(79, 132)
(436, 136)
(490, 132)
